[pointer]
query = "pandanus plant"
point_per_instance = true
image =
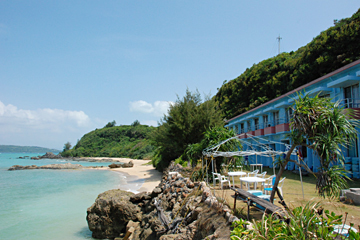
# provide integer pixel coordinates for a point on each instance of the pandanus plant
(324, 126)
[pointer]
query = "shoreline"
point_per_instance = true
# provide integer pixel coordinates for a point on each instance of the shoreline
(139, 172)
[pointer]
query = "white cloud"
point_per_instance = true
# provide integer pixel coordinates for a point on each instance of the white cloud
(158, 108)
(141, 106)
(42, 127)
(52, 119)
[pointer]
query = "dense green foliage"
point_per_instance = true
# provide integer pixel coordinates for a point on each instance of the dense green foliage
(308, 222)
(330, 50)
(67, 146)
(25, 149)
(115, 141)
(186, 122)
(323, 126)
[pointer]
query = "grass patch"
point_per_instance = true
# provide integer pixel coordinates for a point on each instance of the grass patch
(293, 197)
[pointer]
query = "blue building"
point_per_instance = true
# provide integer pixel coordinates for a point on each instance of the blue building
(270, 121)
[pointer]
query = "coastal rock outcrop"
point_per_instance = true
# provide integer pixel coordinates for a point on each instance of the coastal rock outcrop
(49, 166)
(110, 214)
(51, 155)
(122, 165)
(177, 209)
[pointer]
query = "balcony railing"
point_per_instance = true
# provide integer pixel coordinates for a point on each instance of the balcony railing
(350, 103)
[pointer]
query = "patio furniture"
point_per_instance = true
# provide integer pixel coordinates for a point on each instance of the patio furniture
(280, 185)
(249, 180)
(262, 175)
(256, 165)
(269, 181)
(253, 174)
(224, 179)
(216, 177)
(233, 174)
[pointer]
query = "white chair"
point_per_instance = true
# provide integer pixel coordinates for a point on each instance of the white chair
(253, 174)
(269, 181)
(223, 180)
(262, 175)
(280, 185)
(216, 177)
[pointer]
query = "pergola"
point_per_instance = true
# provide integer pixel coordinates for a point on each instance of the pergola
(249, 146)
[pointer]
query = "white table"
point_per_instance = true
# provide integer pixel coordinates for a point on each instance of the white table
(249, 180)
(256, 165)
(233, 174)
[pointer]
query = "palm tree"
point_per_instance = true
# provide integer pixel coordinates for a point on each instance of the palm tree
(325, 127)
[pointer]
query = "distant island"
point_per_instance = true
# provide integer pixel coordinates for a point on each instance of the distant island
(25, 149)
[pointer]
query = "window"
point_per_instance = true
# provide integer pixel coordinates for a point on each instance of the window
(288, 114)
(266, 121)
(242, 130)
(304, 152)
(352, 149)
(325, 95)
(276, 118)
(256, 124)
(248, 126)
(351, 95)
(272, 146)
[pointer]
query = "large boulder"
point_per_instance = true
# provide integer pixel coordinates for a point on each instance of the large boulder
(110, 214)
(51, 155)
(128, 165)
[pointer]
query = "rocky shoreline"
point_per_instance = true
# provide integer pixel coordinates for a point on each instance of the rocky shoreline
(60, 166)
(176, 209)
(50, 155)
(51, 166)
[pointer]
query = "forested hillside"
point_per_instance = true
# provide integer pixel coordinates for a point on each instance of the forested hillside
(25, 149)
(330, 50)
(131, 141)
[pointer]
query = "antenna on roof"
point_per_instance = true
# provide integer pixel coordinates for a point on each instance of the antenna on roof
(279, 38)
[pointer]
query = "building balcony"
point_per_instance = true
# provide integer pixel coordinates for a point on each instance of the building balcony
(269, 130)
(242, 136)
(351, 103)
(259, 132)
(283, 127)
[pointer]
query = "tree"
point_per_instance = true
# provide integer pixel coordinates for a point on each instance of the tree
(110, 124)
(325, 127)
(212, 137)
(186, 122)
(135, 123)
(67, 146)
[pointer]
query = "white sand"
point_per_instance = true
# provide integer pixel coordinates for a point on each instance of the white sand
(141, 169)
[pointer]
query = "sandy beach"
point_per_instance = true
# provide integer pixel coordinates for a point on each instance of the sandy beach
(151, 177)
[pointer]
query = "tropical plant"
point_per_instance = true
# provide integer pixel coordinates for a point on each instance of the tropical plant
(321, 125)
(67, 146)
(306, 222)
(185, 123)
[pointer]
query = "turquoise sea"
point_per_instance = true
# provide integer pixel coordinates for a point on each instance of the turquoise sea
(51, 204)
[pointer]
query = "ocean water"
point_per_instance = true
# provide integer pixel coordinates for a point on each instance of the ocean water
(51, 204)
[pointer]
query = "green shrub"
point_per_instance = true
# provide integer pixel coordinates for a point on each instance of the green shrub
(306, 222)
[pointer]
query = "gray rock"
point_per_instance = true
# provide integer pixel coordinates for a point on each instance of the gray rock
(110, 214)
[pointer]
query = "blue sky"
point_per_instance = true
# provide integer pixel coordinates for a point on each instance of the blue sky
(68, 67)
